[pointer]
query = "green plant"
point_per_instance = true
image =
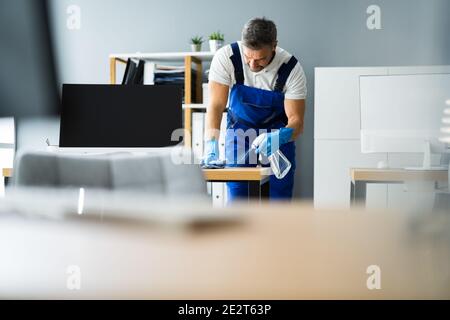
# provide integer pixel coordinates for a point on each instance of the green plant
(216, 36)
(197, 40)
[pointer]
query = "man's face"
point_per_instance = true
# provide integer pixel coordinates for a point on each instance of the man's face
(258, 59)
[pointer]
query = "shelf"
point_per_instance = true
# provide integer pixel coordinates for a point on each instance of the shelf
(188, 58)
(164, 56)
(200, 106)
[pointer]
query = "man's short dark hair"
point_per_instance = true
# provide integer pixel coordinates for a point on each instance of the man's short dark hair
(258, 33)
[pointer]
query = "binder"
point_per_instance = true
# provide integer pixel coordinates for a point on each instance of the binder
(138, 77)
(205, 91)
(130, 69)
(134, 74)
(149, 73)
(223, 130)
(198, 122)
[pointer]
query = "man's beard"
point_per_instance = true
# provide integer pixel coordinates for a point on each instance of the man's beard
(256, 70)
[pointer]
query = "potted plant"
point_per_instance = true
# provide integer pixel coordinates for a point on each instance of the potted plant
(215, 41)
(196, 43)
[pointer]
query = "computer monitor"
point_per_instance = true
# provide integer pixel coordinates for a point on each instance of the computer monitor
(403, 113)
(119, 117)
(28, 85)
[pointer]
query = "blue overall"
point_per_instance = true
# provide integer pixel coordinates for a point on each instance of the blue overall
(261, 110)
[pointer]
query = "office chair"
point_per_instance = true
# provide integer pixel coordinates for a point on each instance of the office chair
(153, 173)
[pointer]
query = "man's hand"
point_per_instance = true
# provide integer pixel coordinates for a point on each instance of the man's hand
(269, 143)
(211, 150)
(211, 159)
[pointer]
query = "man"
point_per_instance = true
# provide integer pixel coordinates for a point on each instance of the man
(267, 98)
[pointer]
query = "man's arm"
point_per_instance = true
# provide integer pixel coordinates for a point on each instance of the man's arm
(218, 95)
(295, 112)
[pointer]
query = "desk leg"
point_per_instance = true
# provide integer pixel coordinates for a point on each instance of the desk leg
(358, 192)
(254, 190)
(265, 190)
(258, 190)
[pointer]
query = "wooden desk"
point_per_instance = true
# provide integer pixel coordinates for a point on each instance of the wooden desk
(7, 172)
(360, 177)
(257, 178)
(279, 251)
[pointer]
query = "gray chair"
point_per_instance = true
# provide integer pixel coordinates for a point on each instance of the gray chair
(155, 173)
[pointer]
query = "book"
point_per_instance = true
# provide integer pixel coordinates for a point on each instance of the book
(134, 73)
(130, 69)
(138, 77)
(149, 72)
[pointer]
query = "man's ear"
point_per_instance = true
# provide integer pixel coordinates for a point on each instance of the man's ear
(275, 45)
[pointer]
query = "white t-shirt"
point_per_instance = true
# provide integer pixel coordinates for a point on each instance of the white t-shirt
(222, 71)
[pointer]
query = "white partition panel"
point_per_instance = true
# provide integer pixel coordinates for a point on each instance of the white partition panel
(337, 137)
(336, 101)
(333, 160)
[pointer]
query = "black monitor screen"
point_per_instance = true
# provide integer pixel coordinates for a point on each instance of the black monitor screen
(116, 116)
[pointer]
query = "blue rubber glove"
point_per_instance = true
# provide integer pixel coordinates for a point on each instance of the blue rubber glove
(211, 160)
(270, 142)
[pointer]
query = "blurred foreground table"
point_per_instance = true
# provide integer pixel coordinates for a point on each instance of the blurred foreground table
(277, 251)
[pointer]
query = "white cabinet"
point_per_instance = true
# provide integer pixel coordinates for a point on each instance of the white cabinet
(218, 194)
(217, 190)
